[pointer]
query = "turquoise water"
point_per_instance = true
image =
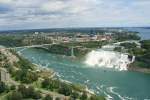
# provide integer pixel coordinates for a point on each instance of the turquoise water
(116, 84)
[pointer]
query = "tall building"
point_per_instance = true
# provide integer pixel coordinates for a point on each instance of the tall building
(4, 75)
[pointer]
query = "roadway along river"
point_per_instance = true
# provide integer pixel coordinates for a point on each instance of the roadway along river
(120, 85)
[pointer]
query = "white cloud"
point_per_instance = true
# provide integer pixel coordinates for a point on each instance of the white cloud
(65, 13)
(6, 1)
(53, 6)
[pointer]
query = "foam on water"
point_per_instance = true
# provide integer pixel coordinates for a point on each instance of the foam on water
(115, 93)
(111, 85)
(109, 59)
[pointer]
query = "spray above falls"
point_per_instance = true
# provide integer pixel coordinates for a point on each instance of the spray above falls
(109, 59)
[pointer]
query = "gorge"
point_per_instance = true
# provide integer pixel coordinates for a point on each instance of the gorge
(112, 83)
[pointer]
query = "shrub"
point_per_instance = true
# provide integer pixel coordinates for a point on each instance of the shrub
(48, 97)
(84, 96)
(50, 84)
(3, 87)
(26, 76)
(75, 95)
(12, 87)
(57, 98)
(65, 89)
(15, 96)
(94, 97)
(29, 92)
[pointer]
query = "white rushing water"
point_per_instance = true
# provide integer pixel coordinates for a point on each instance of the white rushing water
(109, 59)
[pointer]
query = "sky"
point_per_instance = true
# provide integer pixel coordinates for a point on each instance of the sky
(32, 14)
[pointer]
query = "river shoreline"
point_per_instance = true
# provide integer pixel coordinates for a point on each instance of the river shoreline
(55, 74)
(138, 69)
(66, 71)
(130, 68)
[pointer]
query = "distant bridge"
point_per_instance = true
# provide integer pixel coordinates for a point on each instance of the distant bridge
(32, 46)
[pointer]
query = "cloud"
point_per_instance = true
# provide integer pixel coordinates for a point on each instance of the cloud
(22, 14)
(6, 1)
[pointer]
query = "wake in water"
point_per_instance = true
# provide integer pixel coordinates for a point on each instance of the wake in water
(109, 59)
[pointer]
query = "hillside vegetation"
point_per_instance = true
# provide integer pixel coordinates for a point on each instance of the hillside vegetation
(26, 81)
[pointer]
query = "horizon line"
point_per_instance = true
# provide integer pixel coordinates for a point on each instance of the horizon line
(28, 29)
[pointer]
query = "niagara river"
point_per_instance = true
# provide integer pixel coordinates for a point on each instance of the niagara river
(114, 84)
(111, 80)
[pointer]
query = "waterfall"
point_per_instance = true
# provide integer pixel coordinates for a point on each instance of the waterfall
(133, 59)
(109, 59)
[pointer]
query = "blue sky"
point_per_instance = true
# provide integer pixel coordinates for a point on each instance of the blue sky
(28, 14)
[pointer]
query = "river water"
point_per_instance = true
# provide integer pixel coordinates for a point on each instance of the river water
(144, 33)
(115, 84)
(118, 85)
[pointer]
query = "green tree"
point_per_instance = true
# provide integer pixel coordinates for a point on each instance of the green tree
(75, 95)
(45, 83)
(65, 89)
(29, 92)
(145, 44)
(15, 96)
(94, 97)
(26, 76)
(84, 96)
(50, 84)
(22, 90)
(12, 87)
(118, 49)
(57, 98)
(3, 87)
(48, 97)
(128, 45)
